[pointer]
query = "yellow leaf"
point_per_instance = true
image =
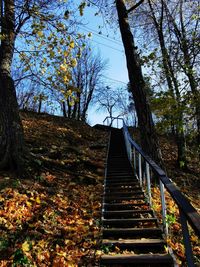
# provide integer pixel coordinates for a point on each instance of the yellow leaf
(28, 204)
(62, 41)
(38, 200)
(52, 54)
(42, 243)
(63, 67)
(66, 79)
(71, 44)
(40, 34)
(62, 254)
(66, 53)
(73, 62)
(25, 246)
(99, 252)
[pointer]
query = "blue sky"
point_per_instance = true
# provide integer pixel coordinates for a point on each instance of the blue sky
(110, 46)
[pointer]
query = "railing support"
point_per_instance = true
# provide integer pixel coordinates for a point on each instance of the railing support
(164, 209)
(140, 168)
(134, 161)
(148, 183)
(186, 240)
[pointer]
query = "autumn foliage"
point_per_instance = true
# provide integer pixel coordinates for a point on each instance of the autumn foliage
(52, 216)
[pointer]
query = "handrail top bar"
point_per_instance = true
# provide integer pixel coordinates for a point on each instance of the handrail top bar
(115, 118)
(189, 211)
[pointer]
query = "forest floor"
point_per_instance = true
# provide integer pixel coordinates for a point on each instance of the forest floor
(51, 217)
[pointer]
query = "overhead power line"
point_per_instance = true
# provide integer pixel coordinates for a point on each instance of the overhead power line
(105, 38)
(101, 35)
(108, 46)
(113, 79)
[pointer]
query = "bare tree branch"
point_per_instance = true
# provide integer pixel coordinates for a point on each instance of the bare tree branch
(135, 6)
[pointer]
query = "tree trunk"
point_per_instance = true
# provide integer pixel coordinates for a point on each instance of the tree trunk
(74, 112)
(79, 107)
(86, 105)
(11, 131)
(64, 109)
(40, 103)
(69, 108)
(148, 135)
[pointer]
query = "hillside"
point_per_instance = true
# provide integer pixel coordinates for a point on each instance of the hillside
(51, 217)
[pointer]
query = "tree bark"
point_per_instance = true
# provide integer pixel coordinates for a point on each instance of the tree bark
(40, 103)
(69, 108)
(11, 131)
(86, 106)
(64, 109)
(149, 140)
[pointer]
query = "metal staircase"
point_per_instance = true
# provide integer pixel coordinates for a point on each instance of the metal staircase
(128, 221)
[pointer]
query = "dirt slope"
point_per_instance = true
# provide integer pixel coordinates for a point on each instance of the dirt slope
(51, 216)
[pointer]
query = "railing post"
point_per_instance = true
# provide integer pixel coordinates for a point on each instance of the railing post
(140, 169)
(164, 209)
(134, 161)
(186, 240)
(148, 183)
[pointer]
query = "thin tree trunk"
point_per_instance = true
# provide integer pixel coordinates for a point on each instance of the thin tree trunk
(40, 103)
(88, 100)
(69, 108)
(74, 111)
(187, 66)
(64, 109)
(79, 107)
(148, 135)
(11, 131)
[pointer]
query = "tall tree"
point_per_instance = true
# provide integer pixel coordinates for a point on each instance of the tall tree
(173, 87)
(86, 79)
(11, 132)
(38, 15)
(109, 100)
(149, 139)
(186, 41)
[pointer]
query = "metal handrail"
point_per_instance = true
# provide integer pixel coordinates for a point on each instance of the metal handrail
(187, 212)
(112, 120)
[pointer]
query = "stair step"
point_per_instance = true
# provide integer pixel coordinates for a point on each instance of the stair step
(120, 166)
(143, 243)
(125, 213)
(122, 193)
(133, 184)
(118, 174)
(123, 187)
(120, 177)
(122, 206)
(115, 165)
(117, 155)
(129, 222)
(132, 232)
(120, 199)
(121, 181)
(147, 259)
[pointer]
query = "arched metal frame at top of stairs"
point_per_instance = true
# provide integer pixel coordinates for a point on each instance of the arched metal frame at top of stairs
(188, 213)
